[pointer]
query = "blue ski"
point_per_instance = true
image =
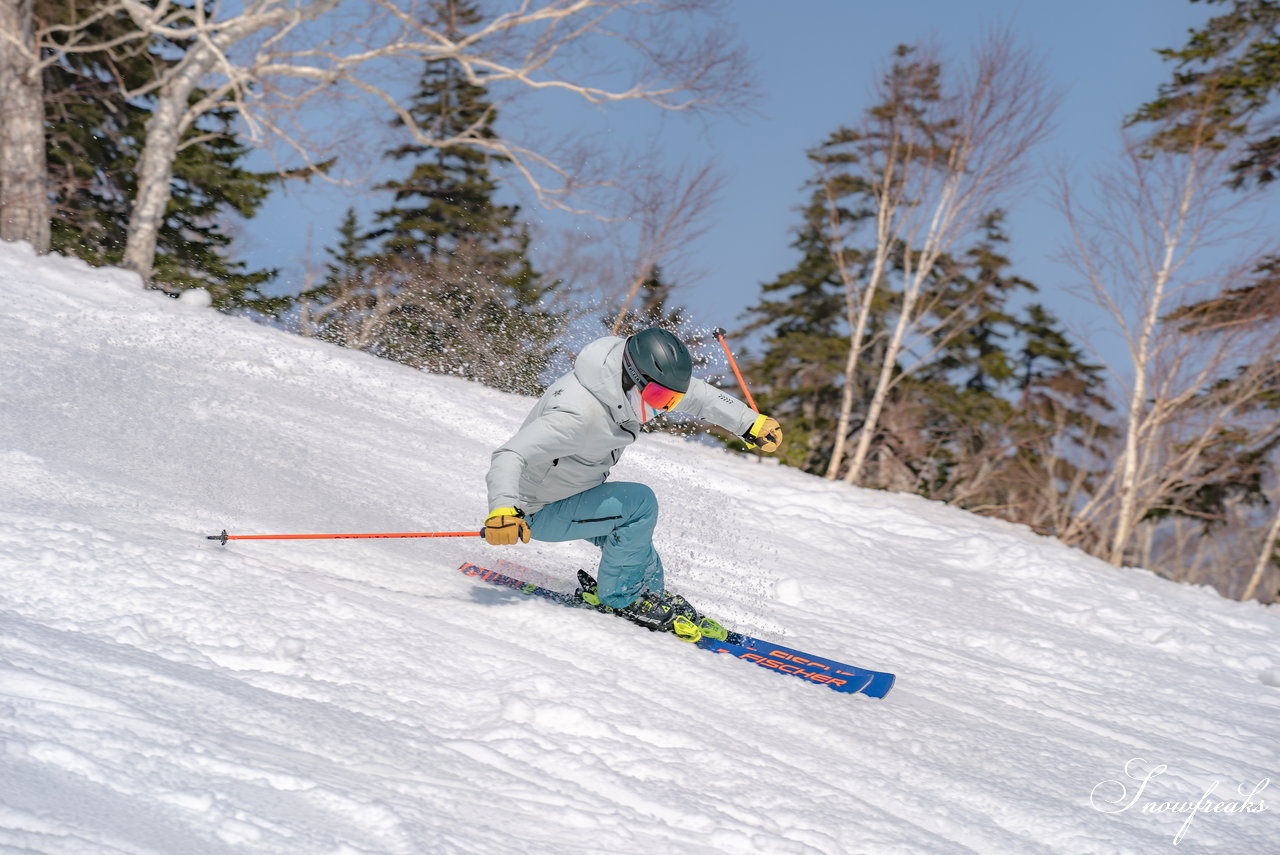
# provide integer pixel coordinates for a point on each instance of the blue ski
(765, 654)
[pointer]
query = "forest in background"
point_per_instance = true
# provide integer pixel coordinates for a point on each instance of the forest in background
(902, 351)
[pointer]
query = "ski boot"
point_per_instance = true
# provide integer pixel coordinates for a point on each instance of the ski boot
(656, 612)
(586, 593)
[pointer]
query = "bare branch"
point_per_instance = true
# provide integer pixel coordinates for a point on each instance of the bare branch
(666, 211)
(1145, 253)
(961, 151)
(269, 55)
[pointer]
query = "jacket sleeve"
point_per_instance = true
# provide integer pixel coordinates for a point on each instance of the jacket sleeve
(710, 404)
(550, 435)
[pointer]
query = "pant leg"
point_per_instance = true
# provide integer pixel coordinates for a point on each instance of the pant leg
(619, 517)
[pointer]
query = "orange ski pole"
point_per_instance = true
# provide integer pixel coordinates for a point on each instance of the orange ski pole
(224, 537)
(742, 384)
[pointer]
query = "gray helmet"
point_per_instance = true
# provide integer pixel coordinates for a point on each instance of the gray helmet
(657, 355)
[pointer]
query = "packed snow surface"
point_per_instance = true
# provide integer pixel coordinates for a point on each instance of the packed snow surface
(163, 693)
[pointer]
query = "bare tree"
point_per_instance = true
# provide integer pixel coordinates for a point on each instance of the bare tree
(666, 213)
(1266, 554)
(936, 160)
(265, 58)
(357, 308)
(886, 163)
(1151, 246)
(24, 200)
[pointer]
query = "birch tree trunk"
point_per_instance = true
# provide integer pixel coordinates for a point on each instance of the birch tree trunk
(948, 210)
(858, 302)
(264, 59)
(913, 288)
(1264, 556)
(24, 199)
(165, 128)
(934, 156)
(1151, 251)
(1136, 423)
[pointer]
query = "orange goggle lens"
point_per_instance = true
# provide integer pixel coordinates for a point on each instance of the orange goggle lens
(659, 397)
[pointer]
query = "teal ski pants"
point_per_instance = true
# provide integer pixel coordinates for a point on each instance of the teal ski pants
(619, 518)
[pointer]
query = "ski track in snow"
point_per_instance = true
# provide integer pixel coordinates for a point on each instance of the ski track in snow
(161, 693)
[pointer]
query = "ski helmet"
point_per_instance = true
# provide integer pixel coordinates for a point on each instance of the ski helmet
(655, 355)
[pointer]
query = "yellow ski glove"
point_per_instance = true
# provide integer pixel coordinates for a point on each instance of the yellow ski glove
(504, 526)
(765, 433)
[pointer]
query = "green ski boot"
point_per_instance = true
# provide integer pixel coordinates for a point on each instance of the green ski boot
(587, 593)
(656, 612)
(672, 613)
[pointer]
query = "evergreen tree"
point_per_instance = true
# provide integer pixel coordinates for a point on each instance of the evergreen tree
(459, 293)
(1003, 415)
(338, 309)
(448, 194)
(961, 394)
(350, 260)
(1006, 407)
(1054, 444)
(95, 134)
(798, 373)
(973, 353)
(1229, 72)
(1232, 65)
(1236, 464)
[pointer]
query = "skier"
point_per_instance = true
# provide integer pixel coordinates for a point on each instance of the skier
(549, 480)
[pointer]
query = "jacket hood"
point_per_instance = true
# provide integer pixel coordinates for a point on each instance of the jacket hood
(598, 368)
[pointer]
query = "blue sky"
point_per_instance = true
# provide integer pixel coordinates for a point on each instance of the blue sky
(815, 61)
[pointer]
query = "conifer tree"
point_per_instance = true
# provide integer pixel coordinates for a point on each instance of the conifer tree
(894, 200)
(797, 374)
(94, 139)
(961, 393)
(1222, 94)
(979, 422)
(339, 309)
(1232, 63)
(1000, 413)
(1034, 415)
(461, 295)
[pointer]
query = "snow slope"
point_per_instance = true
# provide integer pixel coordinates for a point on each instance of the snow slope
(160, 693)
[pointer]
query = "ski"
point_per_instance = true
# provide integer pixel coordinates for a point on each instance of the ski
(784, 660)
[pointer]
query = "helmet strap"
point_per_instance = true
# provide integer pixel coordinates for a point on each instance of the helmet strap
(631, 373)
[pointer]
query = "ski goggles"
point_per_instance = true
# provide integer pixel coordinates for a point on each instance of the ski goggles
(659, 397)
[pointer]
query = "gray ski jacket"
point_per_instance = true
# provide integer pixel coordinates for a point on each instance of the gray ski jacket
(580, 427)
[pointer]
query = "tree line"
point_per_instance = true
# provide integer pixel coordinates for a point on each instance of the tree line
(126, 127)
(906, 354)
(902, 349)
